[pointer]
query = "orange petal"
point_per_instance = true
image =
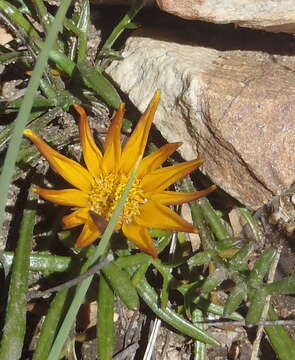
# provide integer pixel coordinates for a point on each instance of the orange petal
(76, 218)
(158, 216)
(177, 198)
(162, 178)
(91, 154)
(67, 197)
(69, 169)
(135, 146)
(88, 235)
(153, 161)
(112, 154)
(140, 237)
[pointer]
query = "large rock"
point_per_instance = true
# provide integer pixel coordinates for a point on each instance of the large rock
(234, 108)
(269, 15)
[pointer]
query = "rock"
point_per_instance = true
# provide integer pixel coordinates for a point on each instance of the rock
(233, 108)
(121, 2)
(269, 15)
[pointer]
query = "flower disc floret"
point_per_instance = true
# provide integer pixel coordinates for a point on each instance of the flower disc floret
(107, 191)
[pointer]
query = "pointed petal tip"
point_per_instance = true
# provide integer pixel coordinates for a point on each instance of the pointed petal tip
(157, 94)
(80, 110)
(156, 98)
(122, 107)
(200, 161)
(211, 189)
(82, 244)
(79, 246)
(29, 133)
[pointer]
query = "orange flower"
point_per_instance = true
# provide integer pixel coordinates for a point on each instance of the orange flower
(99, 186)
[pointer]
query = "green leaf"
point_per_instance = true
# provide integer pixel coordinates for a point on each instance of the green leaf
(122, 285)
(239, 261)
(132, 26)
(105, 319)
(15, 317)
(82, 25)
(52, 323)
(42, 262)
(206, 305)
(280, 340)
(258, 300)
(261, 268)
(97, 82)
(237, 295)
(39, 101)
(150, 297)
(213, 280)
(282, 287)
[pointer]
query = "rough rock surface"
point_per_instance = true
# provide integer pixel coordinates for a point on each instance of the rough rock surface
(234, 108)
(269, 15)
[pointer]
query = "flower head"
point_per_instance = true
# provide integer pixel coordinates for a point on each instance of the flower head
(99, 185)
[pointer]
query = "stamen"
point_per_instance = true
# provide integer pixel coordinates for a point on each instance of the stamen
(106, 193)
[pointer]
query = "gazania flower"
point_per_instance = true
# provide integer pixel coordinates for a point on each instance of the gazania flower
(99, 185)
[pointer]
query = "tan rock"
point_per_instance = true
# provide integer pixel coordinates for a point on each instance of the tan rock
(269, 15)
(234, 108)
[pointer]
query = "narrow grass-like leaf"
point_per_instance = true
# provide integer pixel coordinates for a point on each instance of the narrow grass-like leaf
(206, 305)
(261, 268)
(99, 83)
(258, 300)
(282, 287)
(235, 298)
(43, 15)
(139, 274)
(252, 223)
(123, 24)
(39, 101)
(15, 317)
(51, 324)
(13, 56)
(167, 277)
(150, 297)
(63, 62)
(83, 287)
(213, 280)
(201, 258)
(280, 340)
(205, 233)
(105, 319)
(239, 260)
(27, 103)
(200, 352)
(18, 19)
(132, 260)
(82, 25)
(213, 220)
(6, 133)
(121, 284)
(42, 262)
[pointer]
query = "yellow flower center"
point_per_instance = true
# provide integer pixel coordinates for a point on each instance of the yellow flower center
(106, 193)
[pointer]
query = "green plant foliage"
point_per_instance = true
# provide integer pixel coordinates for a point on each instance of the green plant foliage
(63, 76)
